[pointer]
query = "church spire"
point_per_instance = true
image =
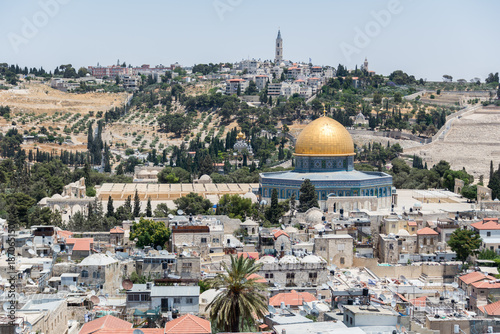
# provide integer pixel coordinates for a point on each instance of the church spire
(278, 58)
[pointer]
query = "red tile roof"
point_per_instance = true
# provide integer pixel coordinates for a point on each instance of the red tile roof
(258, 278)
(252, 255)
(491, 309)
(475, 277)
(412, 223)
(486, 285)
(279, 233)
(292, 298)
(131, 331)
(80, 244)
(426, 231)
(420, 301)
(106, 322)
(64, 234)
(117, 229)
(188, 324)
(487, 224)
(402, 297)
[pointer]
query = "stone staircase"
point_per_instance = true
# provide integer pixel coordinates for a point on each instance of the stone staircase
(423, 278)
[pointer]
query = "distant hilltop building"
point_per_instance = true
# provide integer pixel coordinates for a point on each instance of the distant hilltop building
(279, 49)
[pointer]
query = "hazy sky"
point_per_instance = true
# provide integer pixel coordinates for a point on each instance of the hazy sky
(422, 37)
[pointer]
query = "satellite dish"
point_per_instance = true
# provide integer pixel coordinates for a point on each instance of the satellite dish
(127, 284)
(158, 247)
(137, 331)
(28, 326)
(18, 329)
(102, 300)
(29, 243)
(393, 303)
(95, 300)
(31, 251)
(56, 248)
(42, 255)
(171, 216)
(341, 308)
(454, 284)
(303, 313)
(6, 306)
(271, 309)
(180, 212)
(92, 293)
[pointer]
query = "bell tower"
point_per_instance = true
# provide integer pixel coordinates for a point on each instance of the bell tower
(279, 49)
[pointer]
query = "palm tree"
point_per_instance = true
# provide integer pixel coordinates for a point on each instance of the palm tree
(241, 299)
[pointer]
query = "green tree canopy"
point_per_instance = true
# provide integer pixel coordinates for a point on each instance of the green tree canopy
(174, 175)
(149, 233)
(193, 204)
(464, 243)
(470, 192)
(236, 206)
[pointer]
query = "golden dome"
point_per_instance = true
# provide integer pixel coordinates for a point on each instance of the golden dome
(240, 136)
(324, 137)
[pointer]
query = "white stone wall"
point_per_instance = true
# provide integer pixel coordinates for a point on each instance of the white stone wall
(303, 273)
(338, 250)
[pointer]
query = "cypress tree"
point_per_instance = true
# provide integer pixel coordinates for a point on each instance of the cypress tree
(273, 212)
(111, 208)
(491, 169)
(307, 197)
(137, 205)
(149, 211)
(128, 207)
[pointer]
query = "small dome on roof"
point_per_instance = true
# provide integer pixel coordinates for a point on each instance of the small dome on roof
(205, 179)
(289, 259)
(314, 216)
(251, 196)
(56, 196)
(319, 227)
(249, 222)
(291, 229)
(43, 201)
(403, 232)
(267, 259)
(312, 259)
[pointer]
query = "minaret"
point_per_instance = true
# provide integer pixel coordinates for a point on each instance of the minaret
(365, 65)
(279, 49)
